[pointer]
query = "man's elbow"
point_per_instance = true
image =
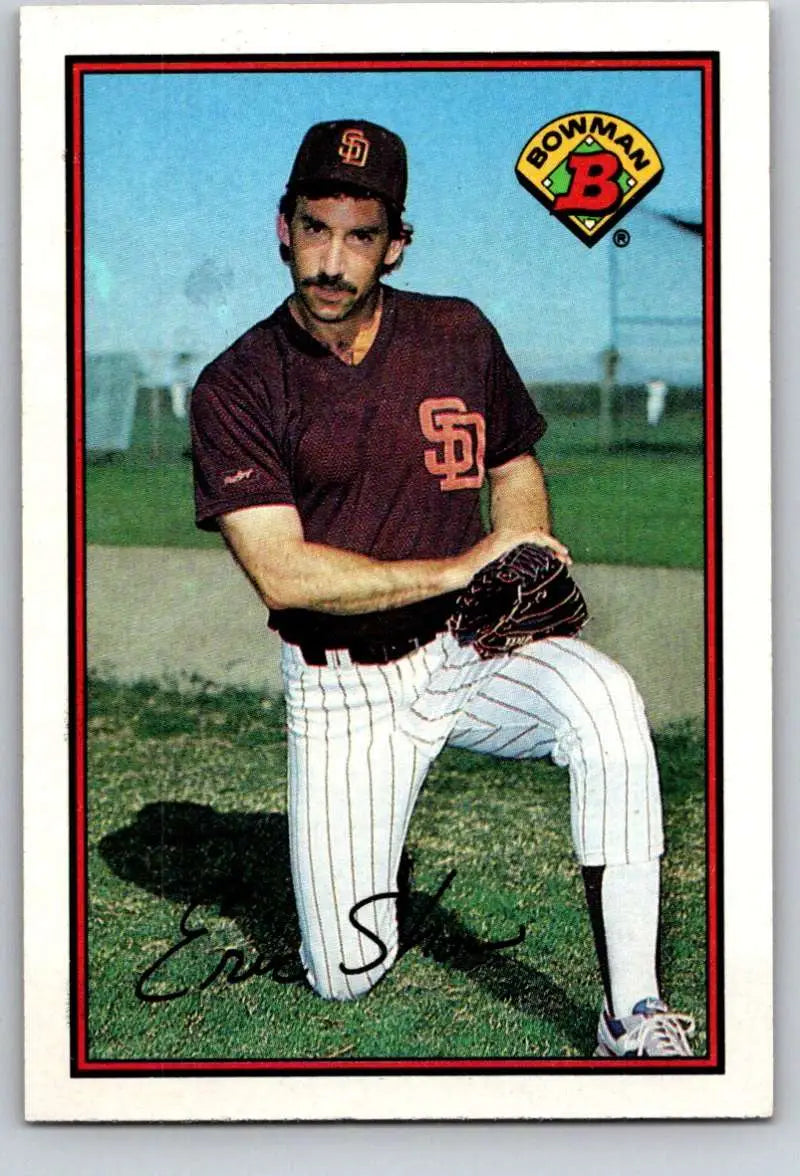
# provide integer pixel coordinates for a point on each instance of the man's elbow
(276, 589)
(279, 592)
(272, 572)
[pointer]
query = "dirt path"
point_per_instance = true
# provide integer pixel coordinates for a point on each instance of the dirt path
(167, 614)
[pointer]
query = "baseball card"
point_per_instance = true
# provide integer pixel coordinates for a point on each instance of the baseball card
(395, 415)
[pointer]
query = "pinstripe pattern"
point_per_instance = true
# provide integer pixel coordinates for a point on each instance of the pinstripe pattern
(350, 827)
(371, 788)
(579, 779)
(361, 740)
(304, 867)
(638, 756)
(597, 728)
(353, 778)
(550, 718)
(571, 650)
(328, 827)
(653, 807)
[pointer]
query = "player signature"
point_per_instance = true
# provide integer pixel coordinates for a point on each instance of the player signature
(232, 964)
(234, 967)
(412, 937)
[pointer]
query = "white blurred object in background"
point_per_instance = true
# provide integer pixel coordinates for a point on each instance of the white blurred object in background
(656, 399)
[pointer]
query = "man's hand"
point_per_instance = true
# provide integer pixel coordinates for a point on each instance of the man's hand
(525, 595)
(497, 543)
(520, 511)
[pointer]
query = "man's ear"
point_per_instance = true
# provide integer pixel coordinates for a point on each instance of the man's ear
(282, 229)
(394, 251)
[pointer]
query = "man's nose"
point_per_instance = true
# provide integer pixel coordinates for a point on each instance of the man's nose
(332, 258)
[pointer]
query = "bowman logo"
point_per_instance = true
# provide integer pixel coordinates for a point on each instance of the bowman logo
(589, 169)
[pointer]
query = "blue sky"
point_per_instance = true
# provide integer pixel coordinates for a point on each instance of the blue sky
(183, 174)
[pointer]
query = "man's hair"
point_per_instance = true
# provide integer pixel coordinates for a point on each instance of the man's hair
(399, 230)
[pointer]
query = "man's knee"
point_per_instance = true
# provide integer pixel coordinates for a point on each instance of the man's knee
(611, 717)
(343, 983)
(616, 805)
(363, 949)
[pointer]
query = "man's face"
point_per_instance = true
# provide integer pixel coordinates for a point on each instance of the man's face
(338, 246)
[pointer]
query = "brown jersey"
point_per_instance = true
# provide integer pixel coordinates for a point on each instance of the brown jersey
(385, 458)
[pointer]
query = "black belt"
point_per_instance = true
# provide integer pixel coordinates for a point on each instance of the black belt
(367, 652)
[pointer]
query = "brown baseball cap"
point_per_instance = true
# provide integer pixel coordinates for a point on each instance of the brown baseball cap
(355, 153)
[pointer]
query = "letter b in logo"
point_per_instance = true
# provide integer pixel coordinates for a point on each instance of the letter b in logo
(594, 187)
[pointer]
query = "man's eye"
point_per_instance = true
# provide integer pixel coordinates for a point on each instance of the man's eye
(364, 237)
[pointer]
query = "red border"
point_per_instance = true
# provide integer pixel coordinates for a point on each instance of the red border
(713, 539)
(82, 1066)
(406, 64)
(78, 564)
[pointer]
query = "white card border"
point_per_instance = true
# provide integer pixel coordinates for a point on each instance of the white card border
(739, 32)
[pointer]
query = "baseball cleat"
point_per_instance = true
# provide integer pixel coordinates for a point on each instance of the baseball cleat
(651, 1031)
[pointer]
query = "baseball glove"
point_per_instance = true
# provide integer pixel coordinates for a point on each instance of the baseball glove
(525, 595)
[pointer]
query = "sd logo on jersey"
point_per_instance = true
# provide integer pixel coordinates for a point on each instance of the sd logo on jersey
(589, 169)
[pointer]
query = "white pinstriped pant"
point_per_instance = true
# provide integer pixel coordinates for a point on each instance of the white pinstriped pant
(361, 740)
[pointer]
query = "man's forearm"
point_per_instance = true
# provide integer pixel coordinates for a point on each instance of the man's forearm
(288, 572)
(330, 580)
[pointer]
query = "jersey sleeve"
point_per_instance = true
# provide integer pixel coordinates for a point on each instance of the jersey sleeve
(237, 432)
(514, 424)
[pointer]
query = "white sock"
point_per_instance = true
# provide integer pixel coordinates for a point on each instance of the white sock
(630, 920)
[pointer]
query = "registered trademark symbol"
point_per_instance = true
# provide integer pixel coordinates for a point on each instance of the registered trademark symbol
(621, 238)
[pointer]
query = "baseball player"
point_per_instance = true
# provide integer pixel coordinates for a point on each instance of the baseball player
(340, 445)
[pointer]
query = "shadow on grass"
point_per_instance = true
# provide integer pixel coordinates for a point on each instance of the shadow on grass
(238, 863)
(442, 936)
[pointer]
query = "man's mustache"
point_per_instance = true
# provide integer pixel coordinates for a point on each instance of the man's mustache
(326, 282)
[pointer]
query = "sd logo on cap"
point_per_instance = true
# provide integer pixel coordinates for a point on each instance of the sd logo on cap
(356, 153)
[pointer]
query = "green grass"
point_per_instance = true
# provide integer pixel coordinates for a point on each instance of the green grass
(639, 504)
(144, 497)
(187, 804)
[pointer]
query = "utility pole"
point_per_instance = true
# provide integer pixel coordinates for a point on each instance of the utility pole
(610, 360)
